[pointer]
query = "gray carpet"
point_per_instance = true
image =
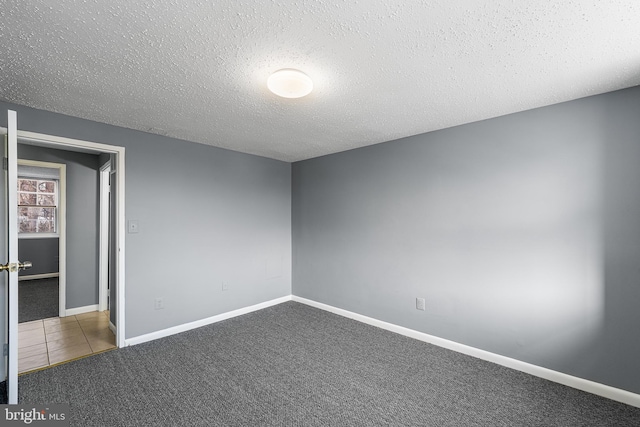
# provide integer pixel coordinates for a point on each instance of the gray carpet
(293, 365)
(37, 299)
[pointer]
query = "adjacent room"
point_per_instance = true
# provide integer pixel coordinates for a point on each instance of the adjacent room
(63, 307)
(321, 214)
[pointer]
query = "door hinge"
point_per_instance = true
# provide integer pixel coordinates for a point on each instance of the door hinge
(5, 163)
(5, 350)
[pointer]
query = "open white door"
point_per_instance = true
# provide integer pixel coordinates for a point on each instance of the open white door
(13, 265)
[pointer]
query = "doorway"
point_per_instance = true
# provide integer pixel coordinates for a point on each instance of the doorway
(78, 326)
(14, 265)
(117, 173)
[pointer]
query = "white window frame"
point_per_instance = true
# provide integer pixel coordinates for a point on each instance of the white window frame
(61, 190)
(36, 235)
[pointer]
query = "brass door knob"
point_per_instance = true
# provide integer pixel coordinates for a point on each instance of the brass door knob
(16, 266)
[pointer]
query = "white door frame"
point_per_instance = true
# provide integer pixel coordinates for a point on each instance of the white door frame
(63, 143)
(62, 227)
(103, 262)
(11, 307)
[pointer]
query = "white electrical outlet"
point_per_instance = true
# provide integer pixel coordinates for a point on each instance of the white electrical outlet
(159, 304)
(132, 226)
(420, 304)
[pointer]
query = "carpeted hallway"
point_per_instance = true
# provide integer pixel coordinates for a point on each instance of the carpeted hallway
(37, 299)
(293, 365)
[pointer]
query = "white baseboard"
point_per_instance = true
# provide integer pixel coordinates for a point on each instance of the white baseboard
(538, 371)
(199, 323)
(80, 310)
(38, 276)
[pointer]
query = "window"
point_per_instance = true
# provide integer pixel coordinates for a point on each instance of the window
(37, 205)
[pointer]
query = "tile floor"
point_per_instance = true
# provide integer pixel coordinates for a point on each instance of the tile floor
(47, 342)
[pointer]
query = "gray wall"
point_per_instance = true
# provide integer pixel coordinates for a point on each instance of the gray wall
(521, 232)
(82, 221)
(43, 253)
(206, 215)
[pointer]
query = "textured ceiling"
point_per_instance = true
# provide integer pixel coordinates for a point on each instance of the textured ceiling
(197, 69)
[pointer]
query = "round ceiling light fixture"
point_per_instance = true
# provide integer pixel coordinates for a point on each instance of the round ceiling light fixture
(290, 83)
